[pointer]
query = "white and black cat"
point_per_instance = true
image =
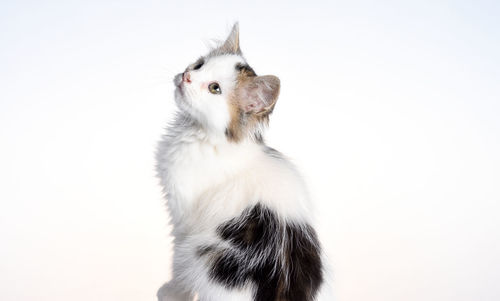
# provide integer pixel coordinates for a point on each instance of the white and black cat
(240, 210)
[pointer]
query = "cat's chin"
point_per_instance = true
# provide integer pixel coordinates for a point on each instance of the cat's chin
(179, 98)
(179, 91)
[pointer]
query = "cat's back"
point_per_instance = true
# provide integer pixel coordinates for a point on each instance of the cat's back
(280, 186)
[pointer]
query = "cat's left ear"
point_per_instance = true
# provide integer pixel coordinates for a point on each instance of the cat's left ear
(259, 94)
(232, 43)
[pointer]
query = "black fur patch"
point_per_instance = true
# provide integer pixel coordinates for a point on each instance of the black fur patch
(282, 260)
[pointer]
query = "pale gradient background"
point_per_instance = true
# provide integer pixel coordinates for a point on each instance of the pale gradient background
(390, 108)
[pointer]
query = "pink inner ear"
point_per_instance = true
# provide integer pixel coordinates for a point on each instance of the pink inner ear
(251, 101)
(250, 107)
(259, 93)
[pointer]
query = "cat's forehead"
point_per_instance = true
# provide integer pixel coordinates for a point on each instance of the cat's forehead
(224, 65)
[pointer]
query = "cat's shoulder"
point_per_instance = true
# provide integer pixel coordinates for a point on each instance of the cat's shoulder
(281, 186)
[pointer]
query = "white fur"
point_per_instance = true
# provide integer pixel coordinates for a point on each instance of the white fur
(208, 109)
(208, 180)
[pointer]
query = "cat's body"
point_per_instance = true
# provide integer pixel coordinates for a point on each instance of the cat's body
(240, 211)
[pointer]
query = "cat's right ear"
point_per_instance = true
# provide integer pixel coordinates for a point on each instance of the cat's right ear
(232, 43)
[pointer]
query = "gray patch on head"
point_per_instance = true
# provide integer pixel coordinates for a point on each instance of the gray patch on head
(221, 51)
(244, 67)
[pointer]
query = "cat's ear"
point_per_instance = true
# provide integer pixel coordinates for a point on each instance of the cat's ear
(259, 94)
(232, 43)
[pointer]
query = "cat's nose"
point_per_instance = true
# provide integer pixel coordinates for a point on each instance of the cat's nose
(186, 77)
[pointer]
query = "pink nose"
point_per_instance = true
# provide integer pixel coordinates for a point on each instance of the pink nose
(186, 77)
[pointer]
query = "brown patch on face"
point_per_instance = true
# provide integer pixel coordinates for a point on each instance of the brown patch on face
(234, 131)
(236, 128)
(241, 122)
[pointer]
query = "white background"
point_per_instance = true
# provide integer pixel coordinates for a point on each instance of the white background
(390, 108)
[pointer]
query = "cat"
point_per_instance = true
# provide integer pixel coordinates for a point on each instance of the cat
(240, 211)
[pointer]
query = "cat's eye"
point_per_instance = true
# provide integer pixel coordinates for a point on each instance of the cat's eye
(214, 88)
(199, 63)
(198, 66)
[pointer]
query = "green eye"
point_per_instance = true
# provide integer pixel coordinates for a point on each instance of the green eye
(214, 88)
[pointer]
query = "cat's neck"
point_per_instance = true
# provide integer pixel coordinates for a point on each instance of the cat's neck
(185, 130)
(189, 146)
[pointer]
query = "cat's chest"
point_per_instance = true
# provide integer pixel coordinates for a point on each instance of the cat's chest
(196, 170)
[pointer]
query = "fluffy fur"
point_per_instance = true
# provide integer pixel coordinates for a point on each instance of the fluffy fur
(240, 210)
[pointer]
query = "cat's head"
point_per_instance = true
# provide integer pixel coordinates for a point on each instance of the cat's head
(224, 94)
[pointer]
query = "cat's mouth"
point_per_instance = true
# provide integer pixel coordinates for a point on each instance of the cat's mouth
(178, 80)
(178, 84)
